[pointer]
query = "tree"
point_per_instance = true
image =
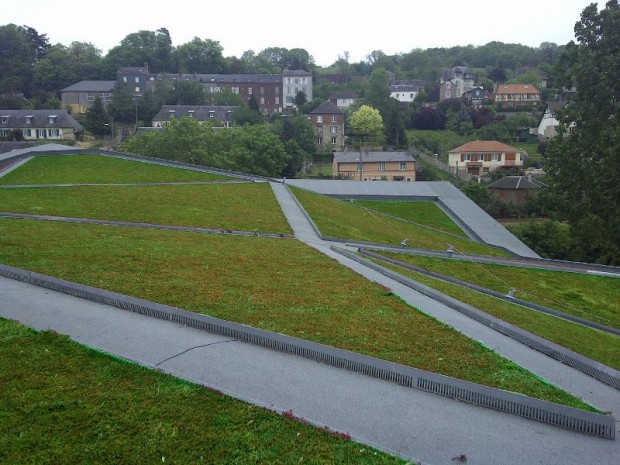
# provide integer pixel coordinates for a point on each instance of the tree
(366, 122)
(200, 56)
(300, 99)
(97, 121)
(122, 107)
(151, 47)
(582, 162)
(17, 56)
(253, 104)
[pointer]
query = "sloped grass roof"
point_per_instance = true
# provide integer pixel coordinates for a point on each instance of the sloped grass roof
(245, 206)
(350, 221)
(99, 169)
(275, 284)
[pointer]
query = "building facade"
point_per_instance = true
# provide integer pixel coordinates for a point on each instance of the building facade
(328, 122)
(482, 156)
(40, 124)
(218, 114)
(374, 166)
(516, 96)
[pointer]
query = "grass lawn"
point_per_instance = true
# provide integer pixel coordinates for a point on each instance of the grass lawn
(65, 404)
(597, 345)
(274, 284)
(345, 220)
(320, 169)
(595, 298)
(98, 169)
(246, 206)
(426, 213)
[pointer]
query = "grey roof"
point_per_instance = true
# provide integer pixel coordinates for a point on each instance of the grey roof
(40, 119)
(38, 148)
(296, 72)
(457, 204)
(200, 112)
(91, 86)
(344, 94)
(352, 157)
(227, 78)
(517, 183)
(327, 107)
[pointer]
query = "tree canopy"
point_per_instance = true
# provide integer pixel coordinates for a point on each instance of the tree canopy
(583, 162)
(366, 122)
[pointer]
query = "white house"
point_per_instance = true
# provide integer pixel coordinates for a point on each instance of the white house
(40, 124)
(482, 156)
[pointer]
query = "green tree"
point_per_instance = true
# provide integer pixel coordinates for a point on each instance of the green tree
(97, 121)
(122, 107)
(253, 104)
(138, 48)
(17, 56)
(366, 122)
(200, 56)
(582, 162)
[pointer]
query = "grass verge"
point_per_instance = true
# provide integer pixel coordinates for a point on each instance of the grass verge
(275, 284)
(64, 403)
(250, 207)
(345, 220)
(98, 169)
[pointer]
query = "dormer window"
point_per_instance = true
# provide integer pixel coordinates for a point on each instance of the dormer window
(29, 119)
(190, 113)
(4, 119)
(171, 114)
(211, 114)
(51, 119)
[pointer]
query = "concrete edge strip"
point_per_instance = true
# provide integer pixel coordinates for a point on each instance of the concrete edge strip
(584, 364)
(546, 412)
(129, 224)
(127, 184)
(496, 294)
(13, 166)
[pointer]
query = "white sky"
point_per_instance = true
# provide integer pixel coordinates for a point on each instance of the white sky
(326, 29)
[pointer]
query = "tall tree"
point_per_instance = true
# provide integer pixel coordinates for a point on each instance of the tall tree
(582, 162)
(97, 120)
(366, 122)
(200, 56)
(151, 47)
(17, 56)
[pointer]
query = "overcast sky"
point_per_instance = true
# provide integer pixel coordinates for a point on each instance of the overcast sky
(326, 29)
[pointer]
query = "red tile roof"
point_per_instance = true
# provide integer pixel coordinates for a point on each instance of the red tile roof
(484, 146)
(516, 89)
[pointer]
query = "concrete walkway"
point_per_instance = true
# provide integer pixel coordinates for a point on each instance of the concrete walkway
(406, 422)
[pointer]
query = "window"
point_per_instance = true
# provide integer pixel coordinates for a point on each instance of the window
(53, 132)
(296, 80)
(277, 90)
(333, 129)
(381, 166)
(262, 90)
(334, 140)
(250, 90)
(448, 94)
(51, 119)
(262, 100)
(319, 118)
(277, 100)
(4, 132)
(137, 89)
(137, 80)
(28, 132)
(288, 90)
(235, 90)
(211, 114)
(319, 141)
(90, 97)
(403, 165)
(152, 78)
(124, 78)
(333, 118)
(4, 119)
(359, 167)
(29, 119)
(105, 96)
(495, 157)
(190, 113)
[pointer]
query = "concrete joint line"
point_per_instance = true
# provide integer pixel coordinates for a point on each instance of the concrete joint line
(193, 348)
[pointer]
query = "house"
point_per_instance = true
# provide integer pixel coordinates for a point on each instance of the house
(477, 96)
(80, 96)
(516, 96)
(482, 156)
(328, 122)
(40, 124)
(273, 92)
(344, 98)
(220, 114)
(516, 189)
(374, 166)
(548, 123)
(454, 82)
(403, 91)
